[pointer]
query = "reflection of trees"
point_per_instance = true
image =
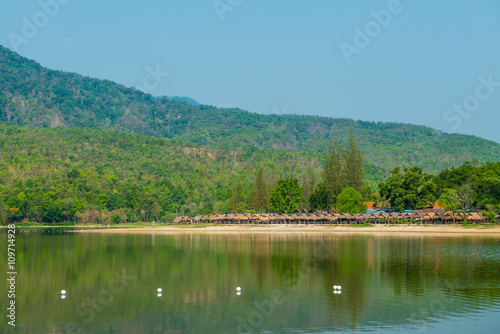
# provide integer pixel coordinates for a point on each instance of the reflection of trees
(383, 279)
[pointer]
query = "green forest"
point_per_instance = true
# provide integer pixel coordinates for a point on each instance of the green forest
(77, 149)
(92, 175)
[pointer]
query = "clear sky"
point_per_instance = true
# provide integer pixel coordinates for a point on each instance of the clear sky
(435, 63)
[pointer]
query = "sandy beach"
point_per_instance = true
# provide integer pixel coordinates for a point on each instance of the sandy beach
(376, 229)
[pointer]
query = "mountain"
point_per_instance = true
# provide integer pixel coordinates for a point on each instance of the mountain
(36, 97)
(186, 99)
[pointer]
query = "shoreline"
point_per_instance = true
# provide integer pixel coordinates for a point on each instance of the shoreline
(247, 229)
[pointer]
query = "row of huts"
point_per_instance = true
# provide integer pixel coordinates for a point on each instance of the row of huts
(336, 218)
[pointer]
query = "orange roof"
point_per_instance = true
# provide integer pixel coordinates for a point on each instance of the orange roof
(369, 205)
(438, 205)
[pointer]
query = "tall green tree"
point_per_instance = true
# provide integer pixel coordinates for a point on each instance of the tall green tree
(354, 172)
(259, 197)
(287, 195)
(308, 186)
(350, 201)
(237, 198)
(333, 171)
(320, 199)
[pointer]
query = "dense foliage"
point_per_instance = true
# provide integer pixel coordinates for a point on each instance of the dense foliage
(343, 168)
(287, 196)
(350, 201)
(90, 174)
(469, 186)
(79, 155)
(33, 96)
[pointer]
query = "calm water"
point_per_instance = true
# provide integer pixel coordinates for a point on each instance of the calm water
(389, 284)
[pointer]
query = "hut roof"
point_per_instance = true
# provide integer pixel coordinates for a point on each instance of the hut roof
(429, 210)
(438, 205)
(431, 216)
(370, 205)
(475, 216)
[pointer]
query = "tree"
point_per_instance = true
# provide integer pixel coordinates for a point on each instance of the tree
(237, 198)
(450, 201)
(465, 195)
(350, 201)
(320, 199)
(412, 189)
(491, 213)
(308, 186)
(259, 198)
(286, 196)
(332, 171)
(353, 170)
(116, 218)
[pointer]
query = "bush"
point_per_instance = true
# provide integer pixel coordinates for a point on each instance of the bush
(116, 218)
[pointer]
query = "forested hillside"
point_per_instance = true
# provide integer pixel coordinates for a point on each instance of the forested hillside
(90, 174)
(35, 97)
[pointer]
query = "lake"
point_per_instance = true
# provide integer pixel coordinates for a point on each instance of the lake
(388, 284)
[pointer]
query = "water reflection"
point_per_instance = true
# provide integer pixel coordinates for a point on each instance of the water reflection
(387, 283)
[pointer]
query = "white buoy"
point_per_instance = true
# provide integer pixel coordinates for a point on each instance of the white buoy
(335, 287)
(238, 293)
(238, 289)
(63, 292)
(159, 294)
(63, 296)
(159, 290)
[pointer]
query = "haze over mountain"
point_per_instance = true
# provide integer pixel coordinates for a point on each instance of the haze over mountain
(33, 96)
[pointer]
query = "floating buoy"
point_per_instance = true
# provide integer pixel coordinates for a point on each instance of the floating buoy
(63, 296)
(238, 293)
(159, 294)
(238, 289)
(63, 292)
(159, 290)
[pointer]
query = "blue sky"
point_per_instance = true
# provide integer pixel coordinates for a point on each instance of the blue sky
(435, 63)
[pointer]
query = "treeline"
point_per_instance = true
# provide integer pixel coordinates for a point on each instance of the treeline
(92, 175)
(471, 186)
